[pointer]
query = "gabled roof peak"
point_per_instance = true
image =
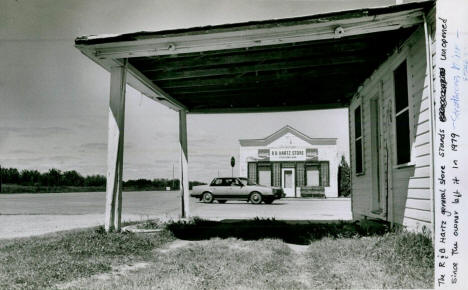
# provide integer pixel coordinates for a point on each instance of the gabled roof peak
(283, 131)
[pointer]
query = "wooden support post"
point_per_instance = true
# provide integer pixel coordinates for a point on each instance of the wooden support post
(184, 180)
(115, 146)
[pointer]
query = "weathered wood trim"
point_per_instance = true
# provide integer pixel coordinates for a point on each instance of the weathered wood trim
(115, 147)
(242, 37)
(184, 179)
(151, 90)
(268, 109)
(138, 81)
(428, 40)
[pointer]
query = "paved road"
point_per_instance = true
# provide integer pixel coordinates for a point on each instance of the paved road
(33, 214)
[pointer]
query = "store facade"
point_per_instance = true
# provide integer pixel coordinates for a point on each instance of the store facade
(301, 165)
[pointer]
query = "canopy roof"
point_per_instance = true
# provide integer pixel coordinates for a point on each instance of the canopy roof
(311, 62)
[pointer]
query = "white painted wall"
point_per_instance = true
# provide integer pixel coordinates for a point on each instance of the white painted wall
(325, 153)
(409, 194)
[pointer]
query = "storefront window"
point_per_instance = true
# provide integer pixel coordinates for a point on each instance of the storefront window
(264, 176)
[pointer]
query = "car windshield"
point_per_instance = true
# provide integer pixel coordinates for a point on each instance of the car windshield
(245, 181)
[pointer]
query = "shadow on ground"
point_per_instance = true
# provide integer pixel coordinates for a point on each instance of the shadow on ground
(290, 232)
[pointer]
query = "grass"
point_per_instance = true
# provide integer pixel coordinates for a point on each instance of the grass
(241, 255)
(41, 262)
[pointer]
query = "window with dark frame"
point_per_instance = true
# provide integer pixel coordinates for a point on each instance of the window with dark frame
(402, 124)
(358, 140)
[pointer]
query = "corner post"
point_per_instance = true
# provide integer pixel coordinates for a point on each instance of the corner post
(184, 180)
(115, 147)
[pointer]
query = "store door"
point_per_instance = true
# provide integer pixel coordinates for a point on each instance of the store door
(288, 181)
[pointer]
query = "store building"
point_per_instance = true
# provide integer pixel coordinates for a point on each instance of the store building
(301, 165)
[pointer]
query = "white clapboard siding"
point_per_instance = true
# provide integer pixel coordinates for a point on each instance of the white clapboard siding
(422, 171)
(423, 159)
(422, 215)
(418, 193)
(423, 183)
(410, 195)
(423, 204)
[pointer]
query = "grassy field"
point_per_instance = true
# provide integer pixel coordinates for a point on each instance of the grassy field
(335, 256)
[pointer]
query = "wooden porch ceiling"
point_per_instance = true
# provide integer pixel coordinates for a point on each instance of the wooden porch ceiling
(277, 65)
(317, 74)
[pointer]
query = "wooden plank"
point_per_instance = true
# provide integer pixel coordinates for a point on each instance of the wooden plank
(419, 193)
(322, 63)
(422, 171)
(150, 89)
(422, 128)
(361, 45)
(115, 146)
(259, 85)
(422, 116)
(423, 160)
(418, 214)
(419, 183)
(342, 72)
(184, 179)
(421, 150)
(422, 204)
(203, 41)
(270, 109)
(421, 139)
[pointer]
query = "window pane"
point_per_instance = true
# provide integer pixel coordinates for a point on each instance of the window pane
(324, 170)
(252, 174)
(357, 122)
(264, 177)
(401, 87)
(313, 176)
(358, 146)
(403, 138)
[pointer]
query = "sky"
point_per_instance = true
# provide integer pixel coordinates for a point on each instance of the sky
(54, 100)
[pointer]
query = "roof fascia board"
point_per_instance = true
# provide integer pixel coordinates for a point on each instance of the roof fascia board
(283, 131)
(268, 109)
(246, 37)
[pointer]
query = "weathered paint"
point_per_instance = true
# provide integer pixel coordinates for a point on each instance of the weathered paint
(406, 190)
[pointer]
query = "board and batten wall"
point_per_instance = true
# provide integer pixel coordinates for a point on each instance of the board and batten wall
(406, 191)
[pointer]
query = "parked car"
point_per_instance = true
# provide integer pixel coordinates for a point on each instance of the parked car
(223, 189)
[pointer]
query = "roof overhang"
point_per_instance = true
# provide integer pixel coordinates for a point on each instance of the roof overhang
(283, 131)
(311, 62)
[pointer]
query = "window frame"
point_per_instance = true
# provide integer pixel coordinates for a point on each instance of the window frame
(396, 114)
(360, 138)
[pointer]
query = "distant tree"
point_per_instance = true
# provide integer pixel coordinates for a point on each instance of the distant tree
(72, 178)
(10, 175)
(95, 180)
(29, 177)
(344, 178)
(51, 178)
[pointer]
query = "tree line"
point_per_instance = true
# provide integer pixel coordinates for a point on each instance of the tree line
(55, 177)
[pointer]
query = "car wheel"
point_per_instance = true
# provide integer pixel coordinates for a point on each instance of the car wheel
(222, 201)
(256, 198)
(207, 197)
